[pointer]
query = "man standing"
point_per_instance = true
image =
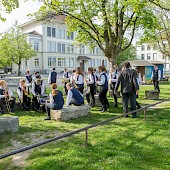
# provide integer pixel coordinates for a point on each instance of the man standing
(129, 86)
(156, 76)
(66, 79)
(52, 78)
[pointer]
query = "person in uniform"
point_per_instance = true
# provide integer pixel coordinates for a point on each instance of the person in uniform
(6, 95)
(52, 78)
(103, 83)
(38, 89)
(28, 77)
(56, 101)
(22, 92)
(156, 76)
(113, 78)
(79, 80)
(91, 82)
(74, 96)
(129, 86)
(66, 79)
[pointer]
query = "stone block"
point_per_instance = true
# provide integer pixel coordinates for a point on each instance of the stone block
(97, 101)
(152, 94)
(9, 124)
(117, 94)
(68, 113)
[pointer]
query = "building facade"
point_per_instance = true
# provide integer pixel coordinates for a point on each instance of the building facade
(55, 48)
(150, 53)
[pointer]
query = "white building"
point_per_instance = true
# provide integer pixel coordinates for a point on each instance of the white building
(150, 53)
(56, 49)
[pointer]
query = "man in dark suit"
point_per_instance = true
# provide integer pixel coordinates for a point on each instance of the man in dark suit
(129, 86)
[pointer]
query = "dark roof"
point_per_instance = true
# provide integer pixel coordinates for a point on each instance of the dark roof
(34, 33)
(135, 63)
(83, 58)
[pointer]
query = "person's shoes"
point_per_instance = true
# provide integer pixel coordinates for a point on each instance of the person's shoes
(47, 118)
(101, 109)
(139, 107)
(104, 110)
(126, 116)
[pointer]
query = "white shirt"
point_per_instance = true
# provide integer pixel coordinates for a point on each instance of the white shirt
(72, 78)
(91, 79)
(65, 75)
(9, 92)
(49, 77)
(102, 79)
(159, 74)
(113, 77)
(79, 79)
(19, 91)
(42, 88)
(139, 79)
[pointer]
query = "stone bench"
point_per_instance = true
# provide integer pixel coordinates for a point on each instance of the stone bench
(117, 94)
(68, 113)
(152, 94)
(9, 124)
(97, 101)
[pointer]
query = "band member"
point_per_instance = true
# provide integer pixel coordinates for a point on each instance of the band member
(22, 92)
(91, 82)
(38, 89)
(139, 80)
(129, 86)
(56, 101)
(97, 78)
(72, 78)
(36, 74)
(103, 83)
(28, 77)
(52, 78)
(6, 98)
(113, 77)
(66, 79)
(79, 80)
(156, 76)
(74, 96)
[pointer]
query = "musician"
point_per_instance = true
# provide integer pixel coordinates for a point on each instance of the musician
(97, 78)
(38, 89)
(72, 76)
(79, 80)
(52, 78)
(91, 82)
(28, 77)
(113, 78)
(6, 95)
(66, 79)
(103, 83)
(74, 96)
(22, 92)
(56, 101)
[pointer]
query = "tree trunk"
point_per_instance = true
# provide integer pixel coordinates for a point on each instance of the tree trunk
(19, 68)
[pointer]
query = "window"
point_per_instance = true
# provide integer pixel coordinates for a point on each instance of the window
(71, 48)
(70, 36)
(62, 33)
(68, 48)
(61, 62)
(51, 61)
(63, 48)
(49, 31)
(59, 32)
(81, 49)
(36, 45)
(53, 32)
(70, 62)
(154, 56)
(53, 47)
(97, 50)
(59, 47)
(36, 62)
(48, 46)
(148, 47)
(26, 63)
(143, 48)
(142, 56)
(54, 62)
(148, 56)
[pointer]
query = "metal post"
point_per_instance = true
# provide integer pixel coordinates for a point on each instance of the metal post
(144, 114)
(86, 137)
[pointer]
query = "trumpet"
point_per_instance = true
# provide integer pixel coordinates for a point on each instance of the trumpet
(65, 80)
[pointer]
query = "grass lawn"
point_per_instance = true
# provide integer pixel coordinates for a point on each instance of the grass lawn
(124, 144)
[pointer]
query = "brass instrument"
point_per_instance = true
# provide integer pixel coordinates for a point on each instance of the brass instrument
(65, 80)
(8, 98)
(23, 92)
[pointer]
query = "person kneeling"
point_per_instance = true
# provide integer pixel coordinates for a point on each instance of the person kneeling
(74, 96)
(56, 101)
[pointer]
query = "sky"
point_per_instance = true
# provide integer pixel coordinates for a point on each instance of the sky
(19, 14)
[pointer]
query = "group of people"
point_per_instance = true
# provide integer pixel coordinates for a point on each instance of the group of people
(74, 84)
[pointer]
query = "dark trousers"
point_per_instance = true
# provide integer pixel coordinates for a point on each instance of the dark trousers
(92, 92)
(80, 88)
(65, 88)
(26, 102)
(156, 85)
(114, 96)
(103, 98)
(11, 103)
(126, 97)
(35, 102)
(75, 103)
(137, 104)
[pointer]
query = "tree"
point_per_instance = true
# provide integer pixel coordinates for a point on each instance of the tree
(14, 47)
(102, 22)
(159, 34)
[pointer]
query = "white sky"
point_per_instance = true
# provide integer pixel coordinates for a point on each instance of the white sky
(19, 14)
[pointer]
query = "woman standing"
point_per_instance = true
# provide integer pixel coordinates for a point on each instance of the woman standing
(56, 101)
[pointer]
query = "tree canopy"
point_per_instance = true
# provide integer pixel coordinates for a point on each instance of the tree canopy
(106, 23)
(14, 47)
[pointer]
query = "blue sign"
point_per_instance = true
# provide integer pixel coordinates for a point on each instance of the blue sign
(148, 72)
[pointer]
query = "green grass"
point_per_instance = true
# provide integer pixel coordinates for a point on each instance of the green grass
(128, 144)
